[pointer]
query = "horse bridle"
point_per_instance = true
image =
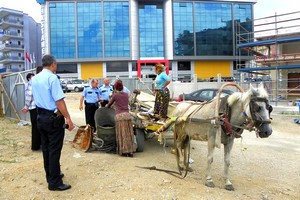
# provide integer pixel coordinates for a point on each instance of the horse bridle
(254, 108)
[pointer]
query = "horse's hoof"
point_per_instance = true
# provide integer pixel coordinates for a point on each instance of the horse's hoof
(229, 187)
(210, 184)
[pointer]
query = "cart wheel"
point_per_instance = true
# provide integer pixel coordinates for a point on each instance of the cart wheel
(140, 139)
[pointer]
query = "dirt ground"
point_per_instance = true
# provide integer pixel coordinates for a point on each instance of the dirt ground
(260, 168)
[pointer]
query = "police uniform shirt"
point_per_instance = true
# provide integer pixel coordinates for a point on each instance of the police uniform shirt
(46, 90)
(106, 91)
(91, 95)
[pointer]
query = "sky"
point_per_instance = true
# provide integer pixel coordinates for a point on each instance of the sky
(262, 8)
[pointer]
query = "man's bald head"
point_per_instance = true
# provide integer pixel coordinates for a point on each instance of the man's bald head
(106, 81)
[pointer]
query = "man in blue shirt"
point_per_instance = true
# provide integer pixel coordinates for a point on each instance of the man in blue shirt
(106, 89)
(52, 113)
(92, 98)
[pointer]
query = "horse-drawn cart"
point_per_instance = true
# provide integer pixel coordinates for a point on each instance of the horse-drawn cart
(144, 121)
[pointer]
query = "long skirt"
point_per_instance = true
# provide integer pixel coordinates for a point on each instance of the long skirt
(124, 133)
(162, 99)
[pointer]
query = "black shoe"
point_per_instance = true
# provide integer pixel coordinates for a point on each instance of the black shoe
(60, 188)
(61, 175)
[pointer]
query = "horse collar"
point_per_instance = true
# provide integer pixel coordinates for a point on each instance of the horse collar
(229, 129)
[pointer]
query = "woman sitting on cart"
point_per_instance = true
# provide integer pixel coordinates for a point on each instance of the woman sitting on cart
(162, 93)
(124, 129)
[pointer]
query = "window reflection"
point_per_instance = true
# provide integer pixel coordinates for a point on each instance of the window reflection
(62, 30)
(89, 29)
(116, 29)
(183, 29)
(213, 24)
(151, 31)
(243, 16)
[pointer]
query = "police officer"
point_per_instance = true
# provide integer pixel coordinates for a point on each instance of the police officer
(92, 96)
(52, 113)
(106, 89)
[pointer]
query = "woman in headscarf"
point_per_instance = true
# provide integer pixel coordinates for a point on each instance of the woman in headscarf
(162, 93)
(124, 129)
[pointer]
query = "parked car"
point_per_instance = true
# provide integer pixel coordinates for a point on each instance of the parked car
(77, 85)
(64, 86)
(203, 95)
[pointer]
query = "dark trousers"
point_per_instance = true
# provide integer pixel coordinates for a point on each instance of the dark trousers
(35, 134)
(90, 109)
(52, 142)
(103, 103)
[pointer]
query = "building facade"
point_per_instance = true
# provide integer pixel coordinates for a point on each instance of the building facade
(127, 37)
(20, 41)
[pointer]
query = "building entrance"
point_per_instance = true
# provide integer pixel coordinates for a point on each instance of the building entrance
(145, 67)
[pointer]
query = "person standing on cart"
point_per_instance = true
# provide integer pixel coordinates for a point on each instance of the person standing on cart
(91, 96)
(162, 93)
(106, 90)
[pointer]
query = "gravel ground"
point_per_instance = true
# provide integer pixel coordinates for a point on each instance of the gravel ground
(260, 168)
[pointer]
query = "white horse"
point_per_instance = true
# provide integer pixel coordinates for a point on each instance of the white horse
(245, 110)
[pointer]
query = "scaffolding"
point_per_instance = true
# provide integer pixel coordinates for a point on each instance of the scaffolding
(274, 45)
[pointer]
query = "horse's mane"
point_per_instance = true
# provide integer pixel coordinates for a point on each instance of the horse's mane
(245, 97)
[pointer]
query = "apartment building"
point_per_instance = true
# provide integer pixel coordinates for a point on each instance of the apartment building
(20, 41)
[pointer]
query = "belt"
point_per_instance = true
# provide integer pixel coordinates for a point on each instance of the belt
(91, 103)
(44, 111)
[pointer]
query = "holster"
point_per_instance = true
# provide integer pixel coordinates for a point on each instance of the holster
(57, 119)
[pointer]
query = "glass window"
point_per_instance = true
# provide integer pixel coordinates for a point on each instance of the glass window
(117, 66)
(66, 68)
(213, 26)
(206, 94)
(184, 66)
(116, 29)
(183, 29)
(243, 19)
(151, 30)
(62, 30)
(89, 29)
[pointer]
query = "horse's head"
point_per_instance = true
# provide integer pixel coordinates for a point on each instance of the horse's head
(258, 109)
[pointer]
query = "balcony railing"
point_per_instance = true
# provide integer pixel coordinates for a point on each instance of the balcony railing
(11, 58)
(11, 46)
(9, 33)
(12, 21)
